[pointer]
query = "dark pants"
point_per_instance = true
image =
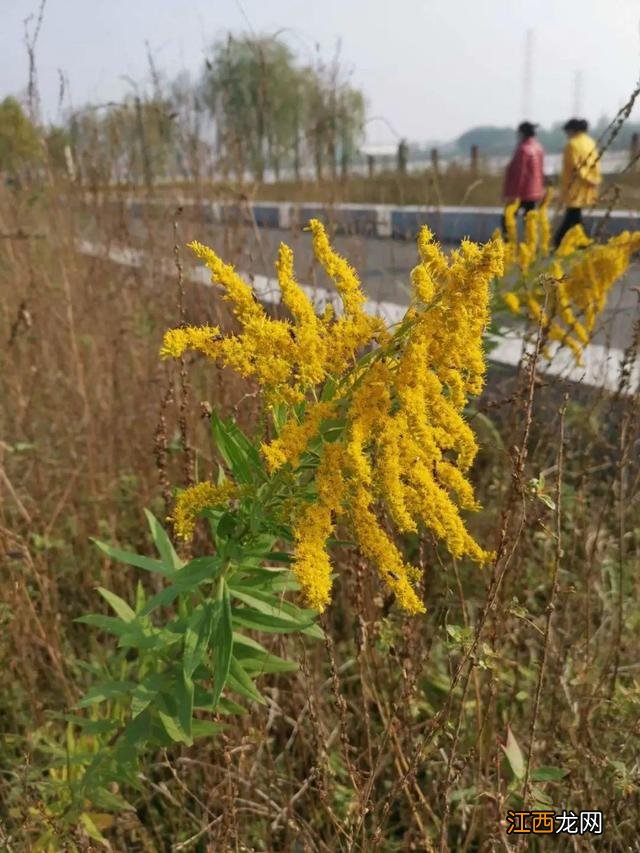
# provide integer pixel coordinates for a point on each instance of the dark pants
(525, 207)
(572, 216)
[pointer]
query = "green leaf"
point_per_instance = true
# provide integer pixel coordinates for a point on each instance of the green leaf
(237, 450)
(140, 597)
(196, 572)
(548, 774)
(110, 624)
(104, 691)
(249, 643)
(91, 727)
(222, 640)
(196, 637)
(121, 607)
(514, 755)
(272, 578)
(249, 618)
(302, 620)
(162, 542)
(226, 525)
(257, 664)
(131, 559)
(93, 831)
(235, 458)
(540, 799)
(206, 728)
(175, 710)
(164, 597)
(106, 799)
(240, 682)
(203, 701)
(146, 692)
(269, 606)
(137, 731)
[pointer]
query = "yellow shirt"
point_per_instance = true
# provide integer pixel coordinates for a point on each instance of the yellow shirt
(580, 177)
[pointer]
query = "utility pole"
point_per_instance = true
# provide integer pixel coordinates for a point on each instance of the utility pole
(527, 77)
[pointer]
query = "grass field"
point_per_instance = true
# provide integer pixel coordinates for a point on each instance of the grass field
(454, 185)
(397, 732)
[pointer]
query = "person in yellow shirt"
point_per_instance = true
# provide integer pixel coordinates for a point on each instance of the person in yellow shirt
(580, 176)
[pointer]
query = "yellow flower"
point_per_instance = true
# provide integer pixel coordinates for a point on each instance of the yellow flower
(405, 445)
(512, 301)
(511, 225)
(545, 224)
(245, 305)
(531, 227)
(376, 545)
(309, 331)
(201, 338)
(354, 330)
(293, 440)
(575, 238)
(313, 526)
(190, 502)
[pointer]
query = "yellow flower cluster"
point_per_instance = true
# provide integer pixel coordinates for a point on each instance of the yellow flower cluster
(286, 357)
(580, 273)
(398, 445)
(191, 501)
(406, 447)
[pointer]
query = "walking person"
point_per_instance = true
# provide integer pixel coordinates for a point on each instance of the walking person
(580, 177)
(524, 178)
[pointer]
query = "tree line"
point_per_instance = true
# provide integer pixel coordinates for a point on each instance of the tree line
(254, 108)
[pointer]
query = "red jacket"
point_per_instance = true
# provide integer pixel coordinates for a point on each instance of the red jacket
(525, 173)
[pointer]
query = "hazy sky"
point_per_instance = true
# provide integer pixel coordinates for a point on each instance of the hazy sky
(432, 68)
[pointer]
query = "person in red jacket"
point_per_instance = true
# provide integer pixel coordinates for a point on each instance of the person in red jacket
(524, 178)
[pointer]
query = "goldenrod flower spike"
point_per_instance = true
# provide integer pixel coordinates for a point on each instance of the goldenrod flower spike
(293, 441)
(512, 301)
(190, 502)
(237, 291)
(531, 223)
(315, 523)
(544, 224)
(338, 269)
(201, 338)
(404, 445)
(350, 333)
(309, 332)
(511, 225)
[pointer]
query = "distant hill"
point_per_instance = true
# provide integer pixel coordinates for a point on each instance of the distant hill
(494, 141)
(499, 141)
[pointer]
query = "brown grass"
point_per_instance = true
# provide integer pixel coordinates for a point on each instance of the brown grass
(390, 737)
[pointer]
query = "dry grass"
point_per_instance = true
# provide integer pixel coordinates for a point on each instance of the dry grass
(453, 185)
(390, 737)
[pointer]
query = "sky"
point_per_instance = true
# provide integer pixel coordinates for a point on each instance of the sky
(430, 69)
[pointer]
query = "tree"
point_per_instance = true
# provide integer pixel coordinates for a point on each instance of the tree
(265, 106)
(248, 87)
(20, 146)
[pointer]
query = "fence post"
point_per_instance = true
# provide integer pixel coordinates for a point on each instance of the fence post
(371, 165)
(634, 151)
(474, 159)
(435, 157)
(403, 153)
(146, 162)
